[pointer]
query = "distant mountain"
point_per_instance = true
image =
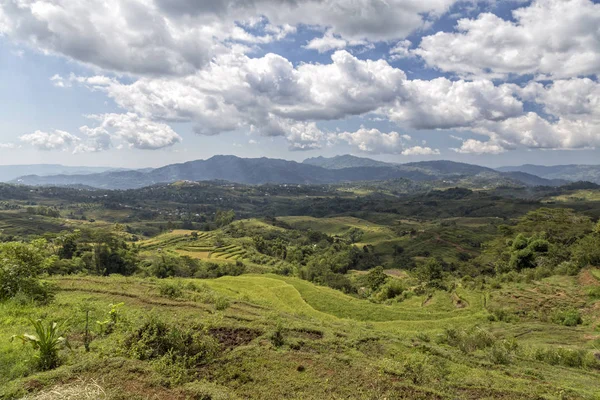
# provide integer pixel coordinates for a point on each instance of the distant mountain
(268, 170)
(345, 161)
(573, 172)
(10, 172)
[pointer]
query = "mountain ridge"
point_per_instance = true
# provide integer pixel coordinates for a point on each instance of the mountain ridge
(269, 170)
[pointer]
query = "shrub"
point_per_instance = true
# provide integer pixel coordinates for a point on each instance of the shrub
(468, 341)
(47, 341)
(20, 267)
(392, 289)
(567, 317)
(155, 339)
(565, 357)
(503, 352)
(277, 338)
(170, 289)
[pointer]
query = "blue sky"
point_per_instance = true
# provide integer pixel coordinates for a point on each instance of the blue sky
(93, 82)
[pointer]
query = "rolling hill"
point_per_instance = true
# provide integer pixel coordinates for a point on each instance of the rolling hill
(572, 172)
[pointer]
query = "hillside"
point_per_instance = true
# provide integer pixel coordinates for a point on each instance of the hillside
(266, 170)
(573, 172)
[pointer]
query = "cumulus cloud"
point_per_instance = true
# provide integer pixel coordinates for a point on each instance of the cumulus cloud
(374, 141)
(572, 107)
(550, 38)
(138, 132)
(472, 146)
(443, 104)
(267, 94)
(131, 129)
(163, 37)
(7, 146)
(55, 140)
(420, 151)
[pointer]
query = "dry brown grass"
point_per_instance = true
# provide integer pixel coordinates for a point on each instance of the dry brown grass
(78, 390)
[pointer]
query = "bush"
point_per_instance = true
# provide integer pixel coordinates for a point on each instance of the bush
(277, 338)
(468, 341)
(503, 352)
(21, 264)
(565, 357)
(170, 289)
(390, 290)
(567, 317)
(155, 339)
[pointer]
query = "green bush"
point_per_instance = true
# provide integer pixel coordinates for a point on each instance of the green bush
(468, 340)
(390, 290)
(170, 289)
(155, 339)
(566, 357)
(276, 337)
(21, 265)
(567, 317)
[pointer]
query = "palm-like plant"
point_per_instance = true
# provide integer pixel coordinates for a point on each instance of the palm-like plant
(47, 341)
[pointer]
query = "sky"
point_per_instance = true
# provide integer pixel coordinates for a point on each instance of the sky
(145, 83)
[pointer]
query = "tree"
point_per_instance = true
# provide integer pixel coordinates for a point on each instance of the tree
(376, 278)
(223, 217)
(431, 272)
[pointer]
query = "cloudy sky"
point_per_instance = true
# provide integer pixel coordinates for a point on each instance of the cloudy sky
(140, 83)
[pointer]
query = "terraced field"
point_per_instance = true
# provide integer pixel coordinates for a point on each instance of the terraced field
(201, 247)
(355, 348)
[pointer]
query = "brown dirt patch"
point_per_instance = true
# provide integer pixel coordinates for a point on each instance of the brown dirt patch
(234, 337)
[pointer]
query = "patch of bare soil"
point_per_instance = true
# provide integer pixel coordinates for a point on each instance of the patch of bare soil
(234, 337)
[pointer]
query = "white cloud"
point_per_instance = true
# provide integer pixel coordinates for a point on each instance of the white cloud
(55, 140)
(260, 94)
(472, 146)
(138, 132)
(553, 38)
(7, 146)
(401, 50)
(165, 37)
(326, 43)
(420, 151)
(374, 141)
(442, 104)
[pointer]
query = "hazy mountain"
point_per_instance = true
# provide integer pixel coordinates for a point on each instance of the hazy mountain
(10, 172)
(345, 161)
(571, 172)
(267, 170)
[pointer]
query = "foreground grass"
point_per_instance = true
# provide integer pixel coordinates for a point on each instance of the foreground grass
(333, 345)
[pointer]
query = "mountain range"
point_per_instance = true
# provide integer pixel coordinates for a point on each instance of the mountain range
(10, 172)
(317, 170)
(572, 172)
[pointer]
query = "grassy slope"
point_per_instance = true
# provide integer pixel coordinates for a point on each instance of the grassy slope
(347, 348)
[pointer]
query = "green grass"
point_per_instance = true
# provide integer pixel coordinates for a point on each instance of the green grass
(335, 346)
